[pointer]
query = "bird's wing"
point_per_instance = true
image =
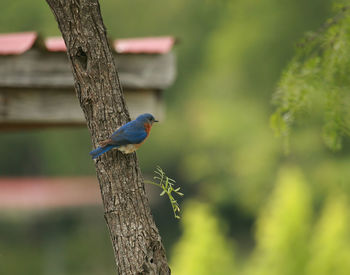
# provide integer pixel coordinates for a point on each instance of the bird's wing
(130, 133)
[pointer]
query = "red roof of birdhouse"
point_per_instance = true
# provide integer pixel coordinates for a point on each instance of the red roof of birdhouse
(151, 45)
(18, 43)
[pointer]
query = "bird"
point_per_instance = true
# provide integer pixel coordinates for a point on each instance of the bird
(127, 138)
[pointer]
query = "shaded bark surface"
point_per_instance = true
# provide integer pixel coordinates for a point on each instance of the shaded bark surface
(135, 237)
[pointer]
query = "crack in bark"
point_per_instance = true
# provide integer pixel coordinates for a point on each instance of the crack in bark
(81, 58)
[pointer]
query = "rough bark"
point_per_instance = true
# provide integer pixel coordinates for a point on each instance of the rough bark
(135, 238)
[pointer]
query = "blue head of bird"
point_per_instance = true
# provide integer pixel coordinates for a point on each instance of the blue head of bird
(146, 118)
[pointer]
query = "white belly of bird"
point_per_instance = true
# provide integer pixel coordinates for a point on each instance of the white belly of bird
(127, 149)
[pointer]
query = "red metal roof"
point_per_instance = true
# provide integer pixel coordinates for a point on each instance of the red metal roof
(16, 43)
(55, 44)
(150, 45)
(46, 193)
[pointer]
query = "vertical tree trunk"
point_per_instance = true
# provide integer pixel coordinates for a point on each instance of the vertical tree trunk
(136, 241)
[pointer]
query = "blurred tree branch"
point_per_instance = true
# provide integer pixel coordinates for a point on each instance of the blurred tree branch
(334, 20)
(318, 78)
(136, 241)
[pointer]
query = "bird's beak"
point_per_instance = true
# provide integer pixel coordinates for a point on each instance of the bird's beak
(156, 120)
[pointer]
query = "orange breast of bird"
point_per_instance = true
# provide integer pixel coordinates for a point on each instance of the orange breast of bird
(148, 130)
(148, 127)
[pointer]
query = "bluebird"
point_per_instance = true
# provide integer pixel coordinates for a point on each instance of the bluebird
(128, 138)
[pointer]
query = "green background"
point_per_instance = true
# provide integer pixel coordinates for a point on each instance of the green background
(249, 208)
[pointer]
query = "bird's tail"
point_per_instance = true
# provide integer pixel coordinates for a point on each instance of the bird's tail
(100, 150)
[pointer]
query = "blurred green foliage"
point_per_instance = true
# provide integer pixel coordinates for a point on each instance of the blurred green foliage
(330, 243)
(56, 242)
(216, 141)
(283, 228)
(319, 75)
(203, 248)
(294, 238)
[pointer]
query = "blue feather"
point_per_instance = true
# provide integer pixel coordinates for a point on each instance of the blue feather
(100, 150)
(133, 132)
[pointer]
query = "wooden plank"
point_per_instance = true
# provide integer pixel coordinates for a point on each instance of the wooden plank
(59, 107)
(35, 69)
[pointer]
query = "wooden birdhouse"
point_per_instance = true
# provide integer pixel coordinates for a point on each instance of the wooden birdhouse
(36, 82)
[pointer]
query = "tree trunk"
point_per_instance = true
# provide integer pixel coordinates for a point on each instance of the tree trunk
(135, 237)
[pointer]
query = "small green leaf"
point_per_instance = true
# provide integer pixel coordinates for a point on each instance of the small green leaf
(167, 184)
